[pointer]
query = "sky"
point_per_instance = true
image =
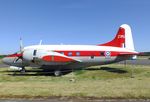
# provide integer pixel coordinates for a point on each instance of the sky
(71, 22)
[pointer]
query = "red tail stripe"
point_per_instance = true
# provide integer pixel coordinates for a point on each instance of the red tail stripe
(118, 40)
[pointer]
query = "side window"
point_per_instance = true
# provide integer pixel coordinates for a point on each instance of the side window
(77, 53)
(62, 53)
(34, 52)
(69, 53)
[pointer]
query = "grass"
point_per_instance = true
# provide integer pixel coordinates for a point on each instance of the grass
(109, 81)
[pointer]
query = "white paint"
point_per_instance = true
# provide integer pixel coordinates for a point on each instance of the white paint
(15, 68)
(128, 37)
(77, 48)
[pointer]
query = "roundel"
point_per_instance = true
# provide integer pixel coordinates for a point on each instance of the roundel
(107, 54)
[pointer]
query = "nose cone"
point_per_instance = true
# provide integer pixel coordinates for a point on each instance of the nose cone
(6, 60)
(12, 61)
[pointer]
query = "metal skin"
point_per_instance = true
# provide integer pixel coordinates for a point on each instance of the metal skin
(60, 57)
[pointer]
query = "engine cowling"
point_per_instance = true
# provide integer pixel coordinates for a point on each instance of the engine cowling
(34, 55)
(38, 57)
(28, 55)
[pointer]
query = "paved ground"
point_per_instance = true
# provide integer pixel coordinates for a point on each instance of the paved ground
(138, 62)
(3, 65)
(74, 100)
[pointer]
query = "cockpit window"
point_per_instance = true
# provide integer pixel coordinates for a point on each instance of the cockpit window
(62, 53)
(34, 52)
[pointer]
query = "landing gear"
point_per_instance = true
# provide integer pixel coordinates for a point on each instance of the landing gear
(20, 69)
(57, 73)
(23, 70)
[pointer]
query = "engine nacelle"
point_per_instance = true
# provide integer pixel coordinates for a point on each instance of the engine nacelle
(28, 55)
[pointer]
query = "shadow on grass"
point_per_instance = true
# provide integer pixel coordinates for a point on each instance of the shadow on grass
(114, 70)
(109, 69)
(35, 73)
(46, 72)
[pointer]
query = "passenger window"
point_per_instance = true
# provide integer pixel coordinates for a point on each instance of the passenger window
(77, 53)
(62, 53)
(34, 52)
(69, 53)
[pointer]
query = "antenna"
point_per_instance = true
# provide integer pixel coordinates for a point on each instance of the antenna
(40, 42)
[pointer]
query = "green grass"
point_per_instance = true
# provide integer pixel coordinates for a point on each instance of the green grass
(110, 81)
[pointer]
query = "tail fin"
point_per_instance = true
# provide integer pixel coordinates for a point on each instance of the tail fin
(123, 38)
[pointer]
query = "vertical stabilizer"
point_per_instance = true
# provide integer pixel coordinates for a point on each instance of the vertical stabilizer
(123, 38)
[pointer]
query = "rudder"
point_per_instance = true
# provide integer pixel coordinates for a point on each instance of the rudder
(129, 44)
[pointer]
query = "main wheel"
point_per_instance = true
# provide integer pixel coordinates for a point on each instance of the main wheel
(57, 73)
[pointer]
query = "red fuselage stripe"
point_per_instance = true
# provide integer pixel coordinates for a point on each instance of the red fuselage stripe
(90, 53)
(56, 59)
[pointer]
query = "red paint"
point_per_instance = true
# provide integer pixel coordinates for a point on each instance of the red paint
(57, 59)
(15, 55)
(118, 40)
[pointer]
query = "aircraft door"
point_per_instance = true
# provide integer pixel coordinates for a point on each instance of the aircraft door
(36, 56)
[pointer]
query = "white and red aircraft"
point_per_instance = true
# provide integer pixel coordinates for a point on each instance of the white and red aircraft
(60, 57)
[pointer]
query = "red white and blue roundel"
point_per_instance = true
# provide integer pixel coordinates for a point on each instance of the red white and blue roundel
(107, 54)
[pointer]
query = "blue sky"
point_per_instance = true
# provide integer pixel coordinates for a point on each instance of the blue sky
(71, 22)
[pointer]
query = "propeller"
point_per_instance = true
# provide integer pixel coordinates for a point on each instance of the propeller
(20, 53)
(21, 45)
(20, 56)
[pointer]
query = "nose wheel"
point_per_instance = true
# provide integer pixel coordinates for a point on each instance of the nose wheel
(23, 70)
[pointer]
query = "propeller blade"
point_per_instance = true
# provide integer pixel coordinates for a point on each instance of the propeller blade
(16, 60)
(21, 45)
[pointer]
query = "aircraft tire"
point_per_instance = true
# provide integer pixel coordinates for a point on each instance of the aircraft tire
(57, 73)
